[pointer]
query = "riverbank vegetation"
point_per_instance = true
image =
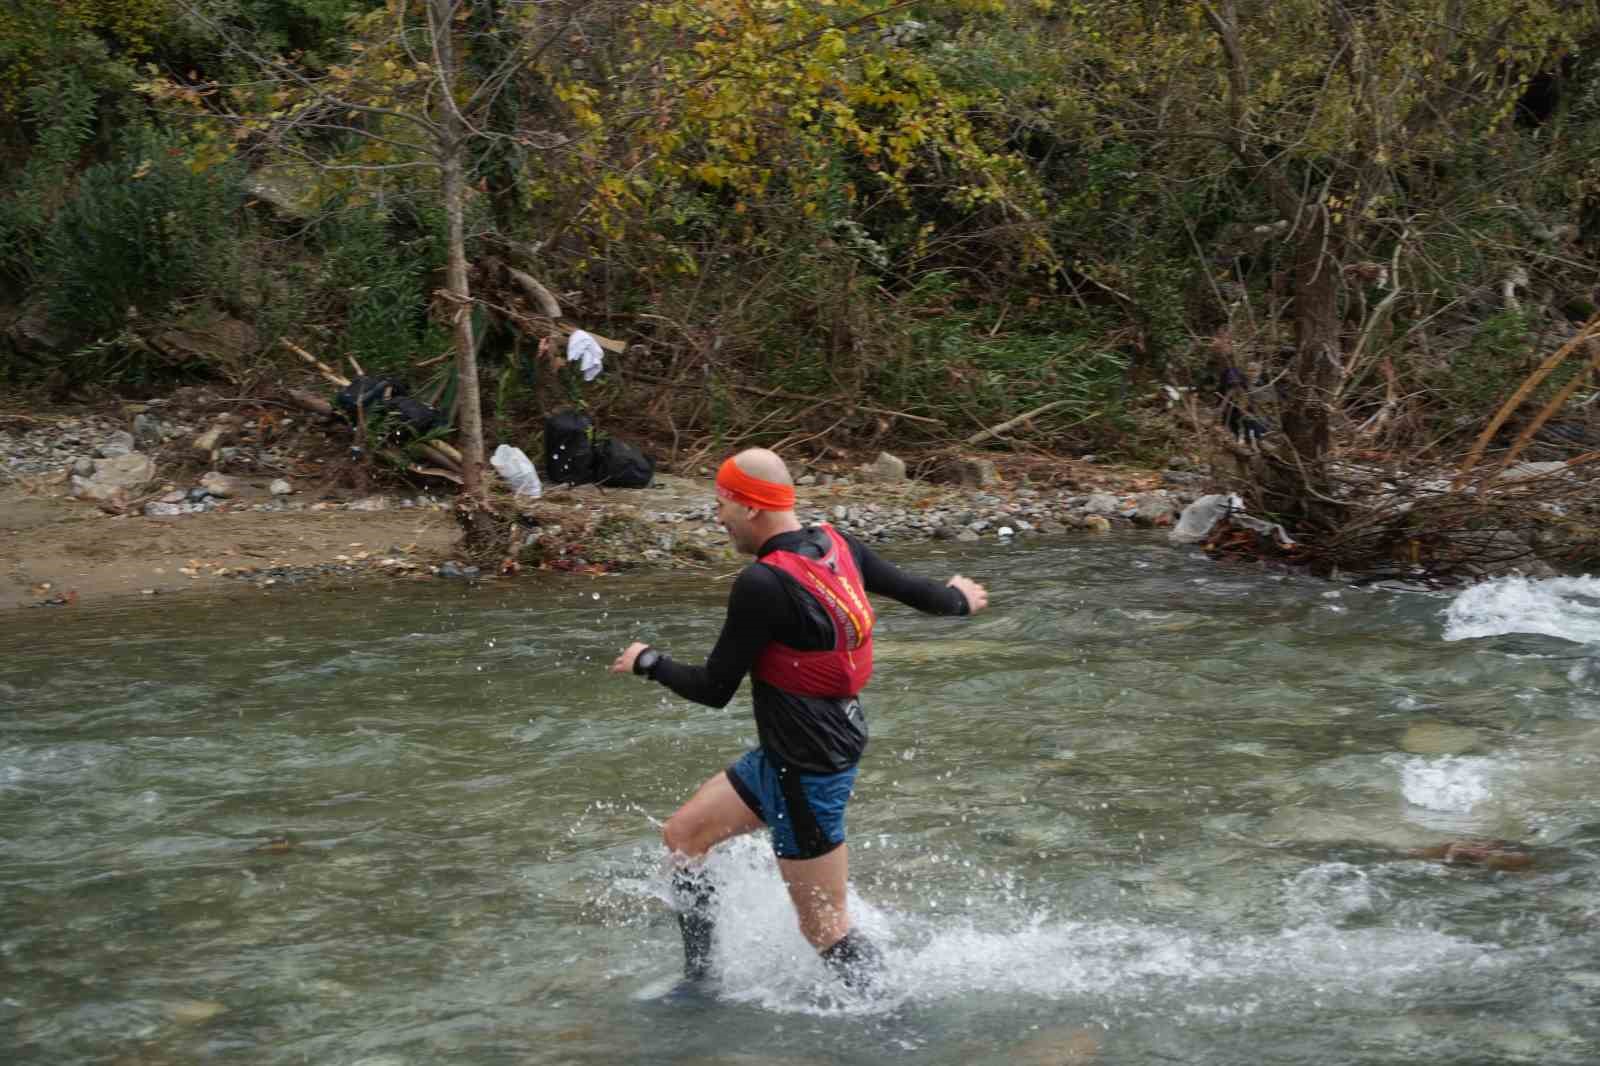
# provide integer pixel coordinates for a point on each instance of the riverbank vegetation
(1353, 230)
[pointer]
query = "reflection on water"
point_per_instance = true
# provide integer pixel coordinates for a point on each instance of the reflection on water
(1148, 810)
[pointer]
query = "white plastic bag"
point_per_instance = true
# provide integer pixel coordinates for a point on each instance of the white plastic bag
(1201, 517)
(514, 465)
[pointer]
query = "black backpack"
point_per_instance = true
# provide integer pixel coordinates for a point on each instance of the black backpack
(620, 465)
(569, 448)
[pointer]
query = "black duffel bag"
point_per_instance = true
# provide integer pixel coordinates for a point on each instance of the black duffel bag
(569, 448)
(368, 392)
(413, 415)
(619, 465)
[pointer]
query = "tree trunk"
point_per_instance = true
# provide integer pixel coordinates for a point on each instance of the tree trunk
(451, 151)
(470, 406)
(1296, 484)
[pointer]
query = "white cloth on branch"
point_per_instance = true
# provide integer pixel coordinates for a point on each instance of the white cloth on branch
(584, 350)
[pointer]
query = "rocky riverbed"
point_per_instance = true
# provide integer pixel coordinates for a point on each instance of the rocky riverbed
(98, 505)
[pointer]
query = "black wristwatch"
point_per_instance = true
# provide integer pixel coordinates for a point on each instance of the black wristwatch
(646, 661)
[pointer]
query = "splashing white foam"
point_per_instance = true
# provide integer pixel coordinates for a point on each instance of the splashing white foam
(760, 958)
(1565, 607)
(1454, 784)
(1330, 893)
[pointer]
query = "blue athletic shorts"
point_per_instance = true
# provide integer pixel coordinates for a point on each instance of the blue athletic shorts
(804, 811)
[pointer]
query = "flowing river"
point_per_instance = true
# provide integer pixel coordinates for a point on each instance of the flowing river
(1147, 810)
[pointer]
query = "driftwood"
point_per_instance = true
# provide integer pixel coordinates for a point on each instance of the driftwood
(450, 459)
(417, 468)
(543, 297)
(1557, 402)
(780, 394)
(996, 430)
(430, 471)
(449, 450)
(327, 371)
(615, 347)
(1544, 370)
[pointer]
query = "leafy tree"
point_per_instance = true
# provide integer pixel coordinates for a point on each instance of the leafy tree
(397, 101)
(1322, 122)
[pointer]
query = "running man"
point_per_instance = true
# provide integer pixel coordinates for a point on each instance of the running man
(799, 623)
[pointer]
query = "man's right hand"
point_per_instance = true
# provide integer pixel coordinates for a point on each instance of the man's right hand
(624, 662)
(977, 596)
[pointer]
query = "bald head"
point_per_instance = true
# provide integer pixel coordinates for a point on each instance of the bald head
(764, 464)
(750, 522)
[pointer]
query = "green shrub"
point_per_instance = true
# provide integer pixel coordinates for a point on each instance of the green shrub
(1486, 371)
(376, 267)
(141, 231)
(63, 115)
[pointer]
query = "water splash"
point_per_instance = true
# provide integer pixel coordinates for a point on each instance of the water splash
(1331, 893)
(1564, 607)
(1013, 950)
(1452, 784)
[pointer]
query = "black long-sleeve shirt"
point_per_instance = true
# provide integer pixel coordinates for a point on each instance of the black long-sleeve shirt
(812, 734)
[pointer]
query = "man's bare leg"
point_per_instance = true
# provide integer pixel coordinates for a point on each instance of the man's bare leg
(819, 889)
(713, 814)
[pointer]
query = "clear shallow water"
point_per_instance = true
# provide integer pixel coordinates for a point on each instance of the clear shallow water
(1147, 810)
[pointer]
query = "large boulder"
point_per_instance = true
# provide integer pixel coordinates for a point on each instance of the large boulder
(884, 468)
(1102, 503)
(1154, 509)
(114, 480)
(219, 485)
(222, 431)
(35, 336)
(972, 473)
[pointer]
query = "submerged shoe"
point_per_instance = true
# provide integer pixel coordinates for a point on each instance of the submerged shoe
(857, 961)
(693, 893)
(689, 991)
(696, 927)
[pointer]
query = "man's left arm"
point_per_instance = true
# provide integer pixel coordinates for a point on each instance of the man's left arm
(959, 595)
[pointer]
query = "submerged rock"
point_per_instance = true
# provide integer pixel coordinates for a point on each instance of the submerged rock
(195, 1011)
(1436, 738)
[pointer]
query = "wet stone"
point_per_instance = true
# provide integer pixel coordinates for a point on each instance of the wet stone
(1437, 738)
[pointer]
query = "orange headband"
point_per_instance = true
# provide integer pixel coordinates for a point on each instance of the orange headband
(749, 491)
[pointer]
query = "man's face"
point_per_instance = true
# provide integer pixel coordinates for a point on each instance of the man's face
(735, 518)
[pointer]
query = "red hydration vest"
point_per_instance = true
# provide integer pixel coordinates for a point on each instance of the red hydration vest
(836, 582)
